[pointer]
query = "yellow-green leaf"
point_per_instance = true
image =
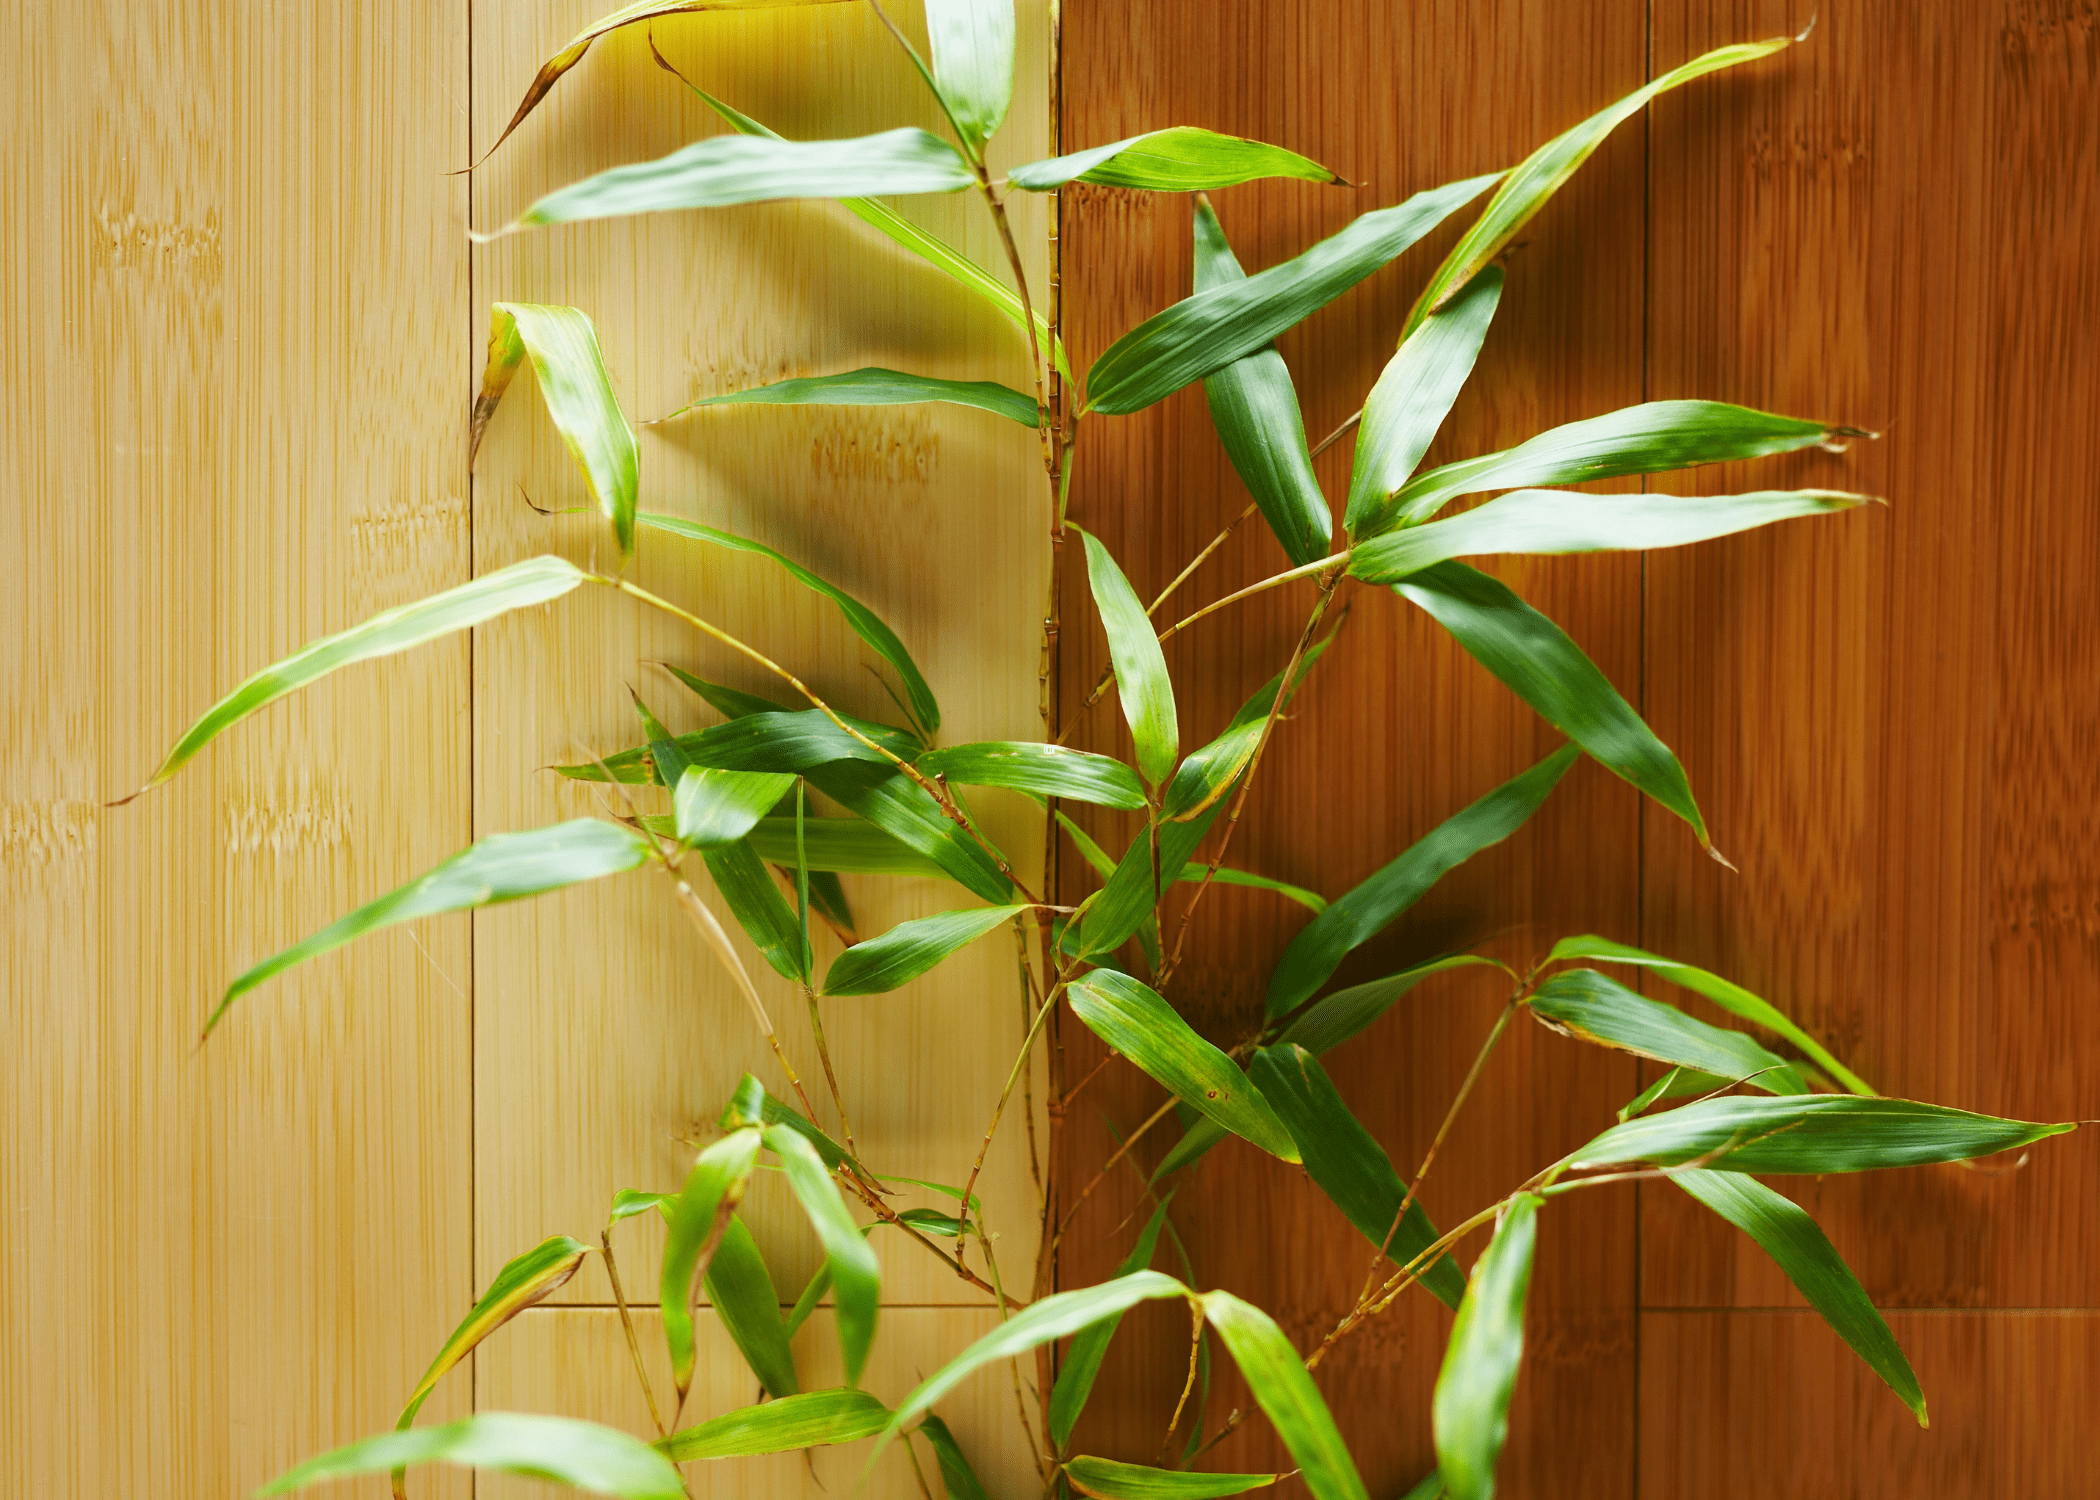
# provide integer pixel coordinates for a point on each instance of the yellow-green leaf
(1142, 685)
(1277, 1376)
(856, 1279)
(910, 949)
(972, 42)
(1585, 1004)
(874, 386)
(698, 1218)
(582, 1454)
(1105, 1479)
(529, 1278)
(812, 1419)
(1470, 1409)
(1180, 159)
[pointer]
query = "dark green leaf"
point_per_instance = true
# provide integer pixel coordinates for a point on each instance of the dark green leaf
(856, 1279)
(1331, 1020)
(910, 949)
(1675, 1083)
(781, 743)
(809, 1420)
(957, 1477)
(973, 61)
(1082, 1362)
(1206, 775)
(1142, 684)
(721, 807)
(697, 1220)
(1180, 159)
(582, 1454)
(894, 803)
(740, 1289)
(1131, 893)
(1587, 1005)
(1041, 770)
(774, 1112)
(1286, 1393)
(529, 1278)
(1109, 1480)
(1811, 1133)
(729, 702)
(845, 844)
(874, 386)
(754, 899)
(1471, 1406)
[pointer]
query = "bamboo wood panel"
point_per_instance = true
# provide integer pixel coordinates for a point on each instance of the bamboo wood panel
(225, 434)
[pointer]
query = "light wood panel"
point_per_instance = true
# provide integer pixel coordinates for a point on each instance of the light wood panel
(235, 298)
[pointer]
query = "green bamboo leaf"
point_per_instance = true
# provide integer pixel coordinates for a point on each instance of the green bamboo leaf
(1592, 1008)
(728, 169)
(1286, 1393)
(1413, 395)
(1254, 407)
(1126, 901)
(1201, 333)
(812, 1419)
(910, 949)
(628, 1202)
(1800, 1248)
(1429, 1487)
(1646, 439)
(1039, 770)
(697, 1222)
(1082, 1361)
(519, 586)
(1142, 684)
(1807, 1134)
(755, 900)
(582, 1454)
(894, 803)
(1675, 1083)
(1108, 1480)
(856, 1279)
(1560, 521)
(740, 1289)
(1332, 1019)
(1135, 1021)
(1312, 901)
(874, 386)
(1538, 662)
(773, 1111)
(721, 807)
(529, 1278)
(972, 42)
(729, 702)
(865, 622)
(1206, 775)
(1732, 998)
(779, 742)
(841, 844)
(578, 393)
(1471, 1406)
(1349, 1166)
(1375, 903)
(1525, 191)
(1196, 1141)
(957, 1477)
(1180, 159)
(503, 867)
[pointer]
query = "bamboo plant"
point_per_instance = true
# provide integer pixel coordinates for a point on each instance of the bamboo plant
(787, 793)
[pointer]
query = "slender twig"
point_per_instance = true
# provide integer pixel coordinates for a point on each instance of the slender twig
(1335, 436)
(1319, 565)
(1195, 1349)
(1095, 1181)
(911, 1451)
(1232, 1425)
(634, 1347)
(1013, 1076)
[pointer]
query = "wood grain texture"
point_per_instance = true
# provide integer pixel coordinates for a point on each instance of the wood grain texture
(224, 435)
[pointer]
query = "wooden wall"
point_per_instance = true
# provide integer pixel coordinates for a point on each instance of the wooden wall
(1888, 716)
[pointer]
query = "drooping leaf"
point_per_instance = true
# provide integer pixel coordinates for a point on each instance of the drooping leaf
(865, 622)
(628, 1202)
(755, 900)
(972, 42)
(874, 386)
(1561, 521)
(777, 1112)
(1199, 334)
(1526, 190)
(1587, 1005)
(1807, 1134)
(525, 1280)
(740, 1289)
(1538, 662)
(1286, 1393)
(1377, 901)
(1136, 1022)
(1098, 858)
(901, 808)
(1038, 769)
(503, 867)
(812, 1419)
(1732, 998)
(582, 1454)
(1082, 1362)
(1126, 901)
(697, 1219)
(1142, 685)
(1349, 1166)
(1108, 1480)
(537, 580)
(1800, 1248)
(1333, 1019)
(1413, 395)
(720, 807)
(1471, 1407)
(843, 844)
(578, 394)
(957, 1477)
(1207, 774)
(1180, 159)
(910, 949)
(728, 169)
(729, 702)
(856, 1280)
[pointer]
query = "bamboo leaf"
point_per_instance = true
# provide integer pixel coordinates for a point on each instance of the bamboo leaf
(910, 949)
(1287, 1395)
(519, 586)
(1800, 1248)
(865, 622)
(729, 702)
(1732, 998)
(1588, 1006)
(1807, 1134)
(856, 1279)
(1332, 1019)
(1109, 1480)
(1377, 901)
(628, 1202)
(1561, 521)
(755, 900)
(1471, 1405)
(563, 347)
(525, 1280)
(1180, 159)
(842, 844)
(582, 1454)
(1142, 684)
(894, 803)
(1082, 1362)
(1126, 901)
(1413, 395)
(1040, 770)
(779, 742)
(957, 1477)
(1312, 901)
(973, 61)
(1675, 1083)
(1201, 333)
(1429, 1487)
(1139, 1024)
(503, 867)
(740, 1289)
(812, 1419)
(1537, 661)
(721, 807)
(1526, 190)
(873, 386)
(1206, 775)
(774, 1112)
(1347, 1165)
(698, 1218)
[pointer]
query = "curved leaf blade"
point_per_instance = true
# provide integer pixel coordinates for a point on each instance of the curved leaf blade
(1142, 685)
(1180, 159)
(846, 845)
(578, 1453)
(910, 949)
(856, 1279)
(1332, 1019)
(1471, 1405)
(755, 900)
(1588, 1006)
(1105, 1479)
(957, 1477)
(1040, 770)
(1082, 1361)
(874, 386)
(740, 1289)
(1127, 899)
(526, 1279)
(698, 1218)
(1287, 1395)
(894, 803)
(1207, 774)
(1809, 1134)
(972, 42)
(812, 1419)
(720, 807)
